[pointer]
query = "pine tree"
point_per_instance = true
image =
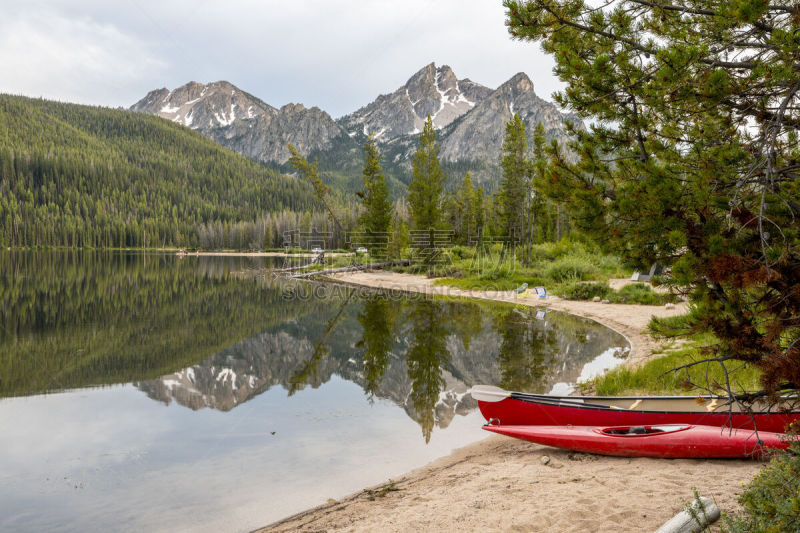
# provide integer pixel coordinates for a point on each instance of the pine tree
(544, 212)
(464, 225)
(478, 213)
(400, 238)
(377, 323)
(692, 156)
(425, 189)
(376, 220)
(515, 186)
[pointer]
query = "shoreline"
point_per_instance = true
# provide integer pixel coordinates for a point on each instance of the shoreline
(500, 483)
(629, 320)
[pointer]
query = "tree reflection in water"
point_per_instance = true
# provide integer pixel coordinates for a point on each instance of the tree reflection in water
(426, 358)
(377, 322)
(426, 324)
(526, 352)
(309, 370)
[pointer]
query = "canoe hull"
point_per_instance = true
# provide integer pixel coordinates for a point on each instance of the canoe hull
(513, 411)
(684, 442)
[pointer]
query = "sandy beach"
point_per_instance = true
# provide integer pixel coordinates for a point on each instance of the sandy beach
(502, 484)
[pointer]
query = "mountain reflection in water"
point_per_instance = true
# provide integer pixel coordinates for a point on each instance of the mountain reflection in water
(76, 320)
(421, 354)
(293, 389)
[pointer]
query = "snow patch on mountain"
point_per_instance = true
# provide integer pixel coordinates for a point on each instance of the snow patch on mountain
(169, 110)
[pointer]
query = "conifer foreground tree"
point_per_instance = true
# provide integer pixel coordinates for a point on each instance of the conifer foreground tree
(515, 184)
(692, 158)
(425, 189)
(465, 217)
(516, 187)
(377, 216)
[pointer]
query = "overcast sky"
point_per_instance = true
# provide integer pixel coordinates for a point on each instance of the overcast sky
(334, 54)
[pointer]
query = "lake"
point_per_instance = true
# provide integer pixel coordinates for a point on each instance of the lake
(147, 391)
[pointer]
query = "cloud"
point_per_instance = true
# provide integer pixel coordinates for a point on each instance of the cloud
(72, 59)
(340, 54)
(334, 54)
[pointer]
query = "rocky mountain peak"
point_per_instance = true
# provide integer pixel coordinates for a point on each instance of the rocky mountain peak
(293, 108)
(478, 136)
(203, 107)
(242, 122)
(152, 98)
(434, 91)
(424, 77)
(518, 84)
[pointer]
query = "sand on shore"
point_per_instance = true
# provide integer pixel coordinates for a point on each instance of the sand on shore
(503, 484)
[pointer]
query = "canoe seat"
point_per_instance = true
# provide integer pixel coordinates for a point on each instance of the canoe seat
(643, 430)
(633, 430)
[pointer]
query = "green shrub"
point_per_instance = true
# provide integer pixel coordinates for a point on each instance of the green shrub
(543, 252)
(584, 291)
(495, 248)
(672, 326)
(610, 265)
(549, 251)
(570, 269)
(639, 293)
(771, 501)
(341, 261)
(567, 247)
(506, 269)
(463, 252)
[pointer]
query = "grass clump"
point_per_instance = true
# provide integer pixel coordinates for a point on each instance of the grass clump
(584, 291)
(573, 268)
(771, 501)
(638, 293)
(657, 378)
(493, 267)
(505, 269)
(635, 293)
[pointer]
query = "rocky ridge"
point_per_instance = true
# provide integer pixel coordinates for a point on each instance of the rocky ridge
(479, 134)
(470, 119)
(431, 91)
(242, 122)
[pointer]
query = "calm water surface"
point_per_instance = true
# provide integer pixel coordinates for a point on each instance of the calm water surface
(157, 393)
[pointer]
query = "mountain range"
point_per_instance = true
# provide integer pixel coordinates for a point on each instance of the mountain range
(470, 120)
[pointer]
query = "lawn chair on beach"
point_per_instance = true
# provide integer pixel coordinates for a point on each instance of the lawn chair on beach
(520, 289)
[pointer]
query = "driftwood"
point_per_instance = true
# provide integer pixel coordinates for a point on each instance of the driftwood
(697, 516)
(350, 269)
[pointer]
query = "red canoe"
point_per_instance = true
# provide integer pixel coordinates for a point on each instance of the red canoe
(666, 441)
(515, 408)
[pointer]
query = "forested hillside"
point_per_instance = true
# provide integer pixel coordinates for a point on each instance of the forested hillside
(73, 175)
